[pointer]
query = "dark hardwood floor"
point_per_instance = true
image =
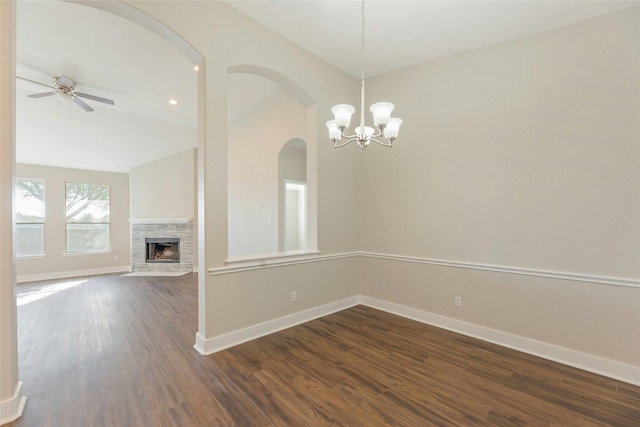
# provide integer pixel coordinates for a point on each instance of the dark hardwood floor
(118, 351)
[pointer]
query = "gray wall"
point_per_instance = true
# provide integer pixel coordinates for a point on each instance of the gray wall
(165, 188)
(523, 156)
(57, 263)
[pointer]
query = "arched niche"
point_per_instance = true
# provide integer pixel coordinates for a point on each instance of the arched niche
(266, 112)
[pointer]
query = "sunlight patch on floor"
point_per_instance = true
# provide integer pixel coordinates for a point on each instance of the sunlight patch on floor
(45, 291)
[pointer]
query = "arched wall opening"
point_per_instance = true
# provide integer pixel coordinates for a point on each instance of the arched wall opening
(138, 17)
(275, 114)
(12, 407)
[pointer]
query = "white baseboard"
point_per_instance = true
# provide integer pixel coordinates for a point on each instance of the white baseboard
(598, 365)
(73, 273)
(212, 345)
(11, 410)
(201, 344)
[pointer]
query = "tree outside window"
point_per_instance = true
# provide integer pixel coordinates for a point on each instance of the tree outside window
(29, 217)
(88, 217)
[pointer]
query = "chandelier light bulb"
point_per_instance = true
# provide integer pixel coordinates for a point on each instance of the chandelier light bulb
(381, 113)
(392, 129)
(367, 131)
(342, 114)
(334, 133)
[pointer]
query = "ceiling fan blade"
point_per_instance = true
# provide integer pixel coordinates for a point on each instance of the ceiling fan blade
(82, 104)
(33, 81)
(96, 98)
(40, 95)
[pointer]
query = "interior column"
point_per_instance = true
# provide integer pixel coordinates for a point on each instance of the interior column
(11, 399)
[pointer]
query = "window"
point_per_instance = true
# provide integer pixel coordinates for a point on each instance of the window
(30, 214)
(88, 217)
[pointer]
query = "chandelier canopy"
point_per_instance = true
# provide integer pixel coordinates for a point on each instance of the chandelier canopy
(384, 124)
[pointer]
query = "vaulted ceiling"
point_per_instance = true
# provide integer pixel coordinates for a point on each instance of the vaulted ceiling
(111, 57)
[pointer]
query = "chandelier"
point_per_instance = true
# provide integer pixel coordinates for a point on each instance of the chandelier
(384, 124)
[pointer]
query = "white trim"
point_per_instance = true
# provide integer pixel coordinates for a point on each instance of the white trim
(74, 273)
(617, 281)
(260, 259)
(275, 260)
(238, 264)
(577, 359)
(208, 346)
(160, 220)
(37, 256)
(12, 409)
(201, 344)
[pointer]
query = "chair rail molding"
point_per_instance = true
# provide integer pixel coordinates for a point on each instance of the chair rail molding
(579, 277)
(276, 260)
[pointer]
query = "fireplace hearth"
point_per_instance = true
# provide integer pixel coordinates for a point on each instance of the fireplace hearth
(162, 250)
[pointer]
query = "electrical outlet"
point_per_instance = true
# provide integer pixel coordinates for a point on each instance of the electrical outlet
(293, 296)
(458, 301)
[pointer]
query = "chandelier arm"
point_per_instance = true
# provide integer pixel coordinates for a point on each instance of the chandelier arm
(385, 143)
(354, 136)
(338, 144)
(378, 132)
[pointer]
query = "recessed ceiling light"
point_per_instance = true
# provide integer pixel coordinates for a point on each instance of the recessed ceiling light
(196, 68)
(173, 102)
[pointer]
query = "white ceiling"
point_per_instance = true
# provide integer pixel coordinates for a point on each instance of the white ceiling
(401, 33)
(111, 57)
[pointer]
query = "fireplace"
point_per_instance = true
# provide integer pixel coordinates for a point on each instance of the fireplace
(163, 249)
(164, 244)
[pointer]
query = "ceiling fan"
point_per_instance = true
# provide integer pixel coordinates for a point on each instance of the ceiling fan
(66, 86)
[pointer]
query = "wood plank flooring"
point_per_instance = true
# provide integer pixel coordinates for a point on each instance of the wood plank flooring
(118, 351)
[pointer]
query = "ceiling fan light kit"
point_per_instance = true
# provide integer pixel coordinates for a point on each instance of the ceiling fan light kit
(63, 85)
(384, 124)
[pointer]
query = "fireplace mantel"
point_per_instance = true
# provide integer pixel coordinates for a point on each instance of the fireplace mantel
(160, 220)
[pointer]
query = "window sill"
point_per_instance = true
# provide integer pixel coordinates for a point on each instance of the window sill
(38, 256)
(249, 262)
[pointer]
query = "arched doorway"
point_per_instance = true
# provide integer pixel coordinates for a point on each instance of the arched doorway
(256, 172)
(12, 406)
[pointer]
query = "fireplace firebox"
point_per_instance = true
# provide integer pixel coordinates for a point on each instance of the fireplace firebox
(163, 249)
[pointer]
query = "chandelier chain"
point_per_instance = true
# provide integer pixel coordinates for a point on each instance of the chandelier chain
(362, 46)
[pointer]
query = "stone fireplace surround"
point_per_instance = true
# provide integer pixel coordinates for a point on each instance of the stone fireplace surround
(143, 228)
